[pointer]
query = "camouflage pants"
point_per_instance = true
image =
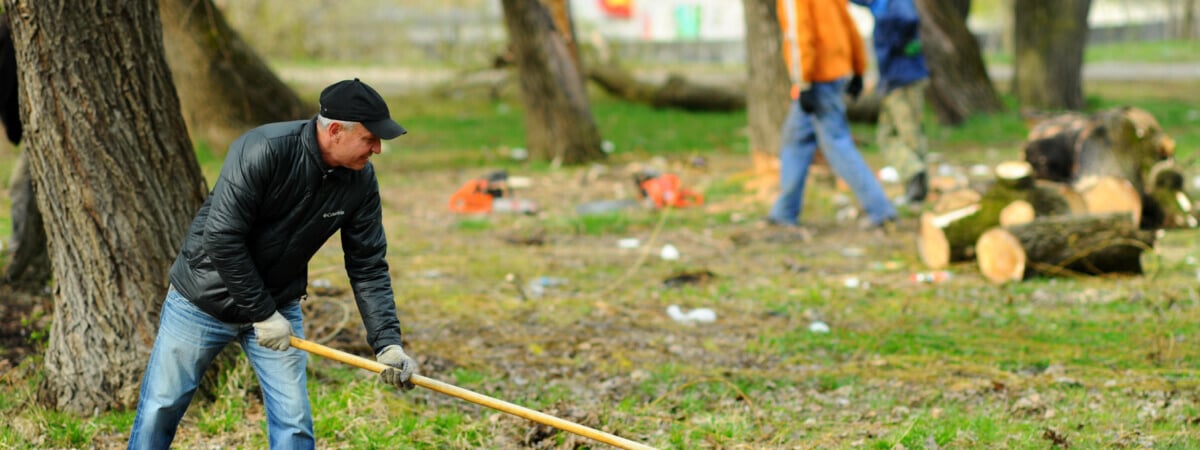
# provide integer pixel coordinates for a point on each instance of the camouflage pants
(900, 135)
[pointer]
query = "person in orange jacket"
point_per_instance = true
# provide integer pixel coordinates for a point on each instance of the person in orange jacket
(825, 57)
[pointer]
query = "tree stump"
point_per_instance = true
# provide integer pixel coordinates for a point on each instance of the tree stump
(1063, 245)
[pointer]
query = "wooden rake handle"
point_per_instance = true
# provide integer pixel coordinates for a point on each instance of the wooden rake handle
(471, 396)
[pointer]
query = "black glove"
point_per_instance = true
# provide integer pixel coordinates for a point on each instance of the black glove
(855, 87)
(401, 367)
(808, 100)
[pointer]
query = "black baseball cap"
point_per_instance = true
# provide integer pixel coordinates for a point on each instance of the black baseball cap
(354, 101)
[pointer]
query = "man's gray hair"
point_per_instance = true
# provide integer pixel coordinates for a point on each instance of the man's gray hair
(325, 121)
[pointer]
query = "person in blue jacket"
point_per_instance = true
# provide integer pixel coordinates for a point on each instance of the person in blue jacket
(903, 78)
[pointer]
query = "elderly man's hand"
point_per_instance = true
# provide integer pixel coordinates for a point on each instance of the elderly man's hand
(401, 367)
(274, 333)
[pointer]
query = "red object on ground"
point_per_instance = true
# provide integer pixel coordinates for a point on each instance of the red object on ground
(472, 198)
(666, 190)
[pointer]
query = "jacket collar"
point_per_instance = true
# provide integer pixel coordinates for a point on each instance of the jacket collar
(308, 139)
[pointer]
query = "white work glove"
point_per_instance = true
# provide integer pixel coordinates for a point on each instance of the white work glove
(401, 368)
(274, 333)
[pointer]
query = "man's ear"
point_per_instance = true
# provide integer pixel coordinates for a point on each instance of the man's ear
(335, 128)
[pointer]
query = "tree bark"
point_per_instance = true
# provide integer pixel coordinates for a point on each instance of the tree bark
(959, 83)
(560, 13)
(1048, 63)
(224, 87)
(117, 182)
(961, 8)
(559, 126)
(767, 79)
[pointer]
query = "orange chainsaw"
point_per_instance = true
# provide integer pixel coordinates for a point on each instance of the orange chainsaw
(483, 195)
(665, 189)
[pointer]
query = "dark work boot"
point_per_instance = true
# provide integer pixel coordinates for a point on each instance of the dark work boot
(917, 188)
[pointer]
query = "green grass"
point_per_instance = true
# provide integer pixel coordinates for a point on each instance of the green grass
(476, 132)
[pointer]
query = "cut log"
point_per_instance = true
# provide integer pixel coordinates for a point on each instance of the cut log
(1063, 245)
(1121, 142)
(950, 236)
(1016, 213)
(1003, 256)
(1015, 182)
(1050, 146)
(1167, 204)
(675, 92)
(955, 199)
(932, 246)
(1049, 193)
(1108, 194)
(954, 225)
(943, 184)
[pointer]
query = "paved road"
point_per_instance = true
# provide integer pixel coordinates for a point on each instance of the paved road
(1118, 71)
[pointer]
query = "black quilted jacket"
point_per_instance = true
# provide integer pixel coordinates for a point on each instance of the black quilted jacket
(273, 206)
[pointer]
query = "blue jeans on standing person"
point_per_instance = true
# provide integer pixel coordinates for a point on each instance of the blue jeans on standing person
(827, 126)
(188, 340)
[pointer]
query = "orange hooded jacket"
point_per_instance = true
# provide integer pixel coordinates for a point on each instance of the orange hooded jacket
(820, 41)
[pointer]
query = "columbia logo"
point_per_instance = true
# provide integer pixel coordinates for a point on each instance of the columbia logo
(333, 214)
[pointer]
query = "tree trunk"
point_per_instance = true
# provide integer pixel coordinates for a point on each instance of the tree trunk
(767, 98)
(560, 13)
(117, 182)
(959, 83)
(1048, 63)
(1188, 28)
(559, 126)
(961, 8)
(224, 87)
(767, 78)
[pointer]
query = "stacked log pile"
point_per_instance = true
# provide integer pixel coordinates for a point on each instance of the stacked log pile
(1086, 199)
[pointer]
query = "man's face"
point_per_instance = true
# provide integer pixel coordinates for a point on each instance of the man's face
(352, 147)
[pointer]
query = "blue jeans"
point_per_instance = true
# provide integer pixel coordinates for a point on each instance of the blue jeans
(827, 126)
(188, 340)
